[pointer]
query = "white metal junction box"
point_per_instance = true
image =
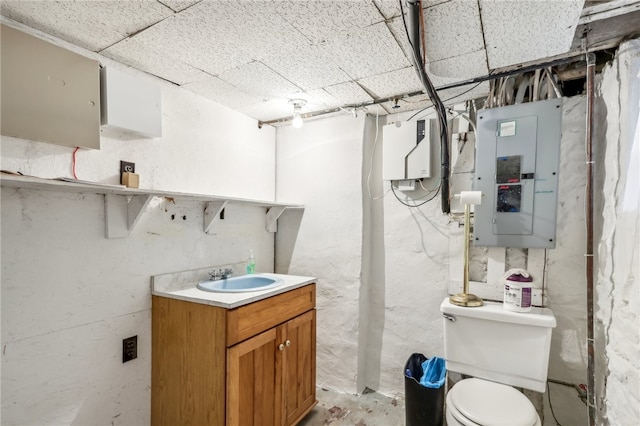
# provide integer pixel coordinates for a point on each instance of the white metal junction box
(130, 105)
(48, 93)
(517, 161)
(406, 150)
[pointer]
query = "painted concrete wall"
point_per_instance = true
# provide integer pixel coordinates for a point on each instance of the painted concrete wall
(416, 262)
(205, 148)
(618, 262)
(320, 166)
(565, 273)
(69, 295)
(416, 252)
(405, 261)
(383, 267)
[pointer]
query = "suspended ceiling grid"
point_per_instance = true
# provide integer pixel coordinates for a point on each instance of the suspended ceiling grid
(255, 55)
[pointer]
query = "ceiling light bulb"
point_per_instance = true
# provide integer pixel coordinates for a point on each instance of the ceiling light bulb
(297, 121)
(297, 108)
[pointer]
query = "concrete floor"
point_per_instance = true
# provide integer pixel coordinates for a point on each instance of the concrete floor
(371, 409)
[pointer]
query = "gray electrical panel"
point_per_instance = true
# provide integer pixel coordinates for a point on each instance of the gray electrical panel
(517, 154)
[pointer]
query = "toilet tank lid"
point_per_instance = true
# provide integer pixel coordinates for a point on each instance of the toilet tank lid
(539, 317)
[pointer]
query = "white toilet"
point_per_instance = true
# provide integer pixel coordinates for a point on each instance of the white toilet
(500, 349)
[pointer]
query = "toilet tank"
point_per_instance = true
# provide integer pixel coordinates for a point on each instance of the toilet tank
(498, 345)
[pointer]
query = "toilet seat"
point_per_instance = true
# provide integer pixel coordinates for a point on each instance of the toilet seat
(481, 402)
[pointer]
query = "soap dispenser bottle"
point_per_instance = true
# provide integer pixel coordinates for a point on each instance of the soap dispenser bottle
(251, 263)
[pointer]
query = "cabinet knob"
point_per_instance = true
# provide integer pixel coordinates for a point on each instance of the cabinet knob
(288, 343)
(281, 347)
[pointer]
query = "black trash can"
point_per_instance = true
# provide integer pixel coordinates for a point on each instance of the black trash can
(424, 406)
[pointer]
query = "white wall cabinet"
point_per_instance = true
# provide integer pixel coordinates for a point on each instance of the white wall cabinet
(130, 106)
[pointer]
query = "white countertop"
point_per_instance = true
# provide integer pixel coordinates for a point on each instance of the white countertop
(182, 285)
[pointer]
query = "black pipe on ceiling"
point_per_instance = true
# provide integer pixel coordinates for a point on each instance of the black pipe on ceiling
(413, 33)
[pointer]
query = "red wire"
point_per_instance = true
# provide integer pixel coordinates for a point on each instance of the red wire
(74, 162)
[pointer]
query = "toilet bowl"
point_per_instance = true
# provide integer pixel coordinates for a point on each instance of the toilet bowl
(473, 402)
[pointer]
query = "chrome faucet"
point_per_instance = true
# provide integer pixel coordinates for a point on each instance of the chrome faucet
(220, 274)
(227, 273)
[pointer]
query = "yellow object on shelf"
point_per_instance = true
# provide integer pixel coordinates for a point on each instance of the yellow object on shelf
(131, 180)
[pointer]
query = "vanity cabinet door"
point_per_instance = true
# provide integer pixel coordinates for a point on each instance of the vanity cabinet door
(298, 366)
(253, 382)
(271, 378)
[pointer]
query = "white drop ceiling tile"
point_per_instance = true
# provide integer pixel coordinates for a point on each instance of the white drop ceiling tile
(178, 5)
(257, 79)
(396, 27)
(159, 63)
(281, 108)
(406, 80)
(273, 109)
(348, 94)
(366, 52)
(463, 67)
(388, 8)
(449, 97)
(523, 31)
(393, 83)
(322, 20)
(193, 41)
(261, 29)
(452, 29)
(460, 94)
(315, 100)
(414, 103)
(215, 36)
(88, 24)
(321, 99)
(391, 8)
(222, 92)
(309, 68)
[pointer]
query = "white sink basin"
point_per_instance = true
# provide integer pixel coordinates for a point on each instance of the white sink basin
(241, 284)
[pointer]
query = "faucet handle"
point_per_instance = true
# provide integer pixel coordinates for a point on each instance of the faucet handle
(227, 273)
(218, 274)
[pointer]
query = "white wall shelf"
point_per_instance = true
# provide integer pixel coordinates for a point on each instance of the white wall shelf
(125, 206)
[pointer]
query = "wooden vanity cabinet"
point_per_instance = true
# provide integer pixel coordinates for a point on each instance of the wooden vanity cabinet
(252, 365)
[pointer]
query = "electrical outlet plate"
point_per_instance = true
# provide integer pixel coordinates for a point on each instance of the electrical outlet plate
(129, 348)
(126, 166)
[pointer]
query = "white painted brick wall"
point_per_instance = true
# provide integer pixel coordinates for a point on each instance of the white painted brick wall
(320, 165)
(69, 295)
(618, 279)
